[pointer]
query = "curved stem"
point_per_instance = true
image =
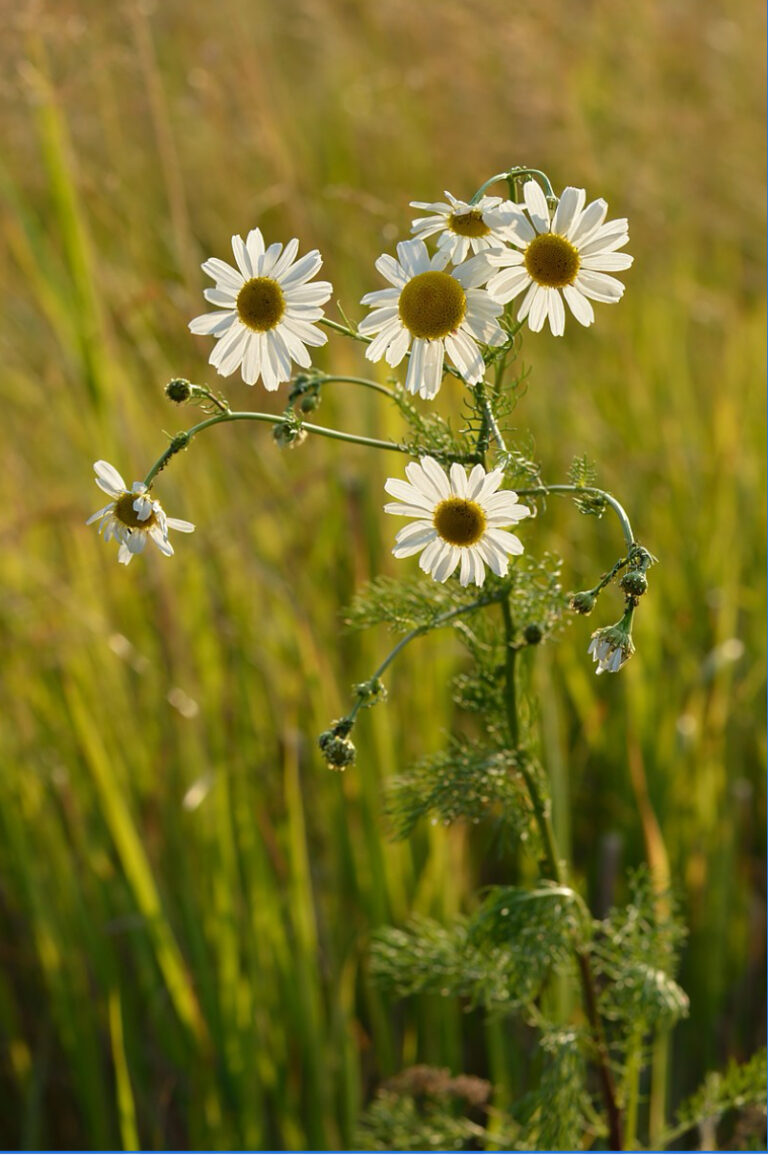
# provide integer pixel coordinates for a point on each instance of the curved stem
(182, 440)
(511, 175)
(609, 499)
(327, 379)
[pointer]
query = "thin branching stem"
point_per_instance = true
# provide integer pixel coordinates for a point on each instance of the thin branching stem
(427, 627)
(327, 379)
(618, 509)
(182, 440)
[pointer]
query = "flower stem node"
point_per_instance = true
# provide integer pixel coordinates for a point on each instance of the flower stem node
(337, 748)
(178, 390)
(370, 693)
(288, 433)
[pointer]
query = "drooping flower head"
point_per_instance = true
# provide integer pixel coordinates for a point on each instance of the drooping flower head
(431, 312)
(458, 520)
(132, 516)
(266, 310)
(612, 646)
(463, 226)
(566, 256)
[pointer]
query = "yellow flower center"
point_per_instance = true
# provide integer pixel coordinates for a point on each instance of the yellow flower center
(125, 512)
(552, 261)
(432, 305)
(469, 224)
(260, 304)
(458, 521)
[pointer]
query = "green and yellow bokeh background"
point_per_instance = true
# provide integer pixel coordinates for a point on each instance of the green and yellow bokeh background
(186, 892)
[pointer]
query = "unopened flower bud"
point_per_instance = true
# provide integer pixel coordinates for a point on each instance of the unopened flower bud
(309, 402)
(583, 602)
(634, 582)
(533, 634)
(288, 434)
(371, 692)
(178, 390)
(338, 750)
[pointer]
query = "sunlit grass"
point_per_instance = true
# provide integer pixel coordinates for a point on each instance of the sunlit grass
(187, 891)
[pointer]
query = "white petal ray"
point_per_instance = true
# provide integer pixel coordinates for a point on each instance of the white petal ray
(302, 271)
(579, 305)
(538, 311)
(223, 274)
(458, 478)
(410, 494)
(555, 312)
(537, 206)
(432, 375)
(226, 298)
(508, 542)
(437, 475)
(108, 479)
(284, 262)
(398, 347)
(589, 221)
(607, 262)
(391, 271)
(241, 257)
(423, 482)
(212, 324)
(569, 207)
(599, 286)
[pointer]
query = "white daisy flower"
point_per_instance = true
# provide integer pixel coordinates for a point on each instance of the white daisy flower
(458, 520)
(611, 647)
(132, 516)
(439, 312)
(267, 310)
(570, 253)
(464, 226)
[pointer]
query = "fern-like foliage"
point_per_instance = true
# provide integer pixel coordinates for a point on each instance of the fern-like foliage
(500, 959)
(559, 1116)
(430, 433)
(741, 1087)
(466, 782)
(583, 473)
(408, 605)
(636, 951)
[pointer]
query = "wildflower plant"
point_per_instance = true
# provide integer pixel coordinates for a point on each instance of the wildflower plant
(475, 508)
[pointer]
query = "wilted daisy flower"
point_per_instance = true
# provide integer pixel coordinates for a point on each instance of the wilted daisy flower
(464, 226)
(459, 520)
(132, 516)
(267, 310)
(612, 646)
(570, 253)
(438, 312)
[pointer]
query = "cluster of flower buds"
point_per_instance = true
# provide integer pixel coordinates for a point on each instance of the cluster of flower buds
(337, 747)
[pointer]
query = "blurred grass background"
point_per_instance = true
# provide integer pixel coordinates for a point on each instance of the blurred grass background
(186, 892)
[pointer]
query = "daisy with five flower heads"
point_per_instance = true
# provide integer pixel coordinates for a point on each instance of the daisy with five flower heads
(431, 312)
(459, 520)
(132, 516)
(572, 253)
(267, 309)
(463, 226)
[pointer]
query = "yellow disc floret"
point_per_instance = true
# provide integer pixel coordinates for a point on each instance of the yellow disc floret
(468, 224)
(260, 304)
(552, 261)
(125, 513)
(432, 305)
(458, 521)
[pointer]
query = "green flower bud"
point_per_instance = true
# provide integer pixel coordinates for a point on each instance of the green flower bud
(533, 634)
(634, 582)
(178, 390)
(338, 750)
(288, 434)
(583, 602)
(371, 692)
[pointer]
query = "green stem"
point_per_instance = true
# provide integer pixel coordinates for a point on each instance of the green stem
(182, 440)
(440, 620)
(559, 872)
(609, 499)
(326, 379)
(632, 1083)
(513, 174)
